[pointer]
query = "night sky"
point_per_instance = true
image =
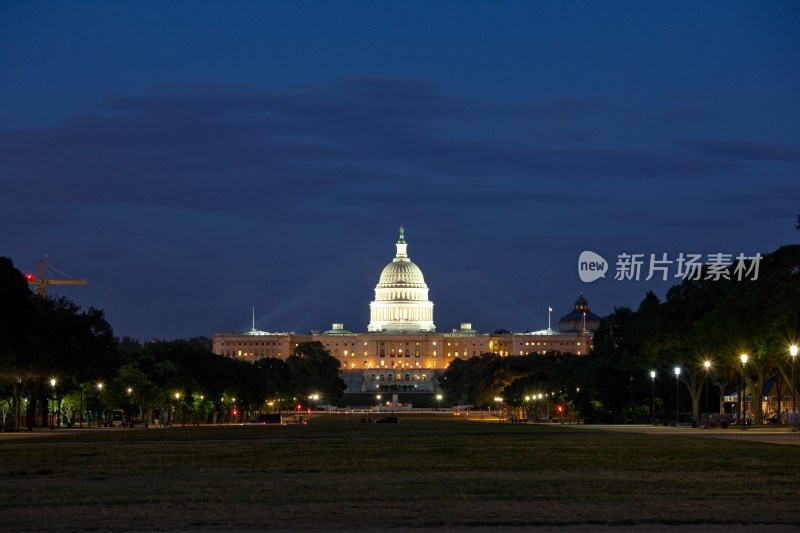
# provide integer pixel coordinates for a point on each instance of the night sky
(195, 159)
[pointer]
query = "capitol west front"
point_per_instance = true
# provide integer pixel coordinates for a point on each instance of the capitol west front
(401, 350)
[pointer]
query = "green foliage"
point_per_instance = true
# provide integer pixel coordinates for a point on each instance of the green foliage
(699, 320)
(313, 370)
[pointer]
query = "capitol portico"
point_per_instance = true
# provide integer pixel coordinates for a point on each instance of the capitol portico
(401, 350)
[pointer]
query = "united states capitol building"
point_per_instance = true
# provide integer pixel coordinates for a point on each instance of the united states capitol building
(401, 350)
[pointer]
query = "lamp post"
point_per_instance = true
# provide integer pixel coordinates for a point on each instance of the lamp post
(499, 401)
(652, 397)
(100, 397)
(130, 390)
(707, 365)
(541, 416)
(793, 353)
(547, 406)
(743, 411)
(677, 392)
(53, 416)
(438, 402)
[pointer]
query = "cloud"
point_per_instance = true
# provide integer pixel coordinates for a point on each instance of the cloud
(741, 150)
(230, 149)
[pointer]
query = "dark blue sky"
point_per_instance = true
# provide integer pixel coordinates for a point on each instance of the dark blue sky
(193, 159)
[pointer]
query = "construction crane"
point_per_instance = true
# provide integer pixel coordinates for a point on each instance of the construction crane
(43, 281)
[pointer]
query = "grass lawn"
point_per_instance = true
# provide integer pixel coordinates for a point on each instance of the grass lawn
(426, 471)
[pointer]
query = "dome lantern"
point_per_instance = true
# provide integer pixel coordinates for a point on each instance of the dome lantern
(401, 246)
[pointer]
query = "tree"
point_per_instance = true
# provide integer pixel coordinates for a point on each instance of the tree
(760, 318)
(48, 338)
(312, 369)
(133, 389)
(616, 356)
(678, 340)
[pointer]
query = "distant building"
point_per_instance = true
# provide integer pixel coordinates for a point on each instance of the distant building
(580, 319)
(401, 350)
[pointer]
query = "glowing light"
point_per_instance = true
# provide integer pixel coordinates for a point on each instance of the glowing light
(744, 358)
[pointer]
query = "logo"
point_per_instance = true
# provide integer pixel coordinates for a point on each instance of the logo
(591, 266)
(685, 266)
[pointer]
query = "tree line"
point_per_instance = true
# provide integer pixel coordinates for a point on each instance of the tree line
(61, 364)
(703, 327)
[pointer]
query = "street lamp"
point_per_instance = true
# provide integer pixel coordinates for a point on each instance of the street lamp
(53, 384)
(499, 401)
(100, 397)
(707, 365)
(527, 409)
(677, 392)
(793, 353)
(743, 410)
(438, 402)
(540, 407)
(130, 390)
(652, 397)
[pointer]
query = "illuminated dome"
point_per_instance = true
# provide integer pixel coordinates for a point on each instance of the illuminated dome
(401, 296)
(402, 274)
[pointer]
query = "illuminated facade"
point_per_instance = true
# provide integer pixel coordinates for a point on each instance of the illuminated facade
(401, 350)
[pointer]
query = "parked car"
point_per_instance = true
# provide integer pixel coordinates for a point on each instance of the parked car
(266, 419)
